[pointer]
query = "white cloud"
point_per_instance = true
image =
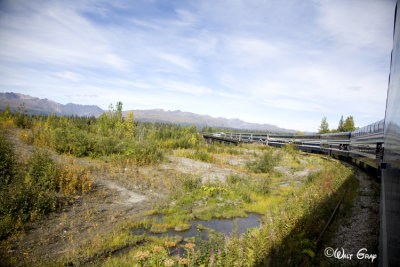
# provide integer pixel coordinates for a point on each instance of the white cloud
(358, 23)
(57, 34)
(254, 48)
(70, 76)
(276, 62)
(184, 87)
(177, 60)
(115, 61)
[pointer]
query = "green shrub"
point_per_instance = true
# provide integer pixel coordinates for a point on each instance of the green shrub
(197, 155)
(291, 149)
(234, 179)
(245, 195)
(203, 156)
(190, 183)
(22, 121)
(7, 161)
(42, 171)
(265, 164)
(312, 177)
(262, 186)
(144, 153)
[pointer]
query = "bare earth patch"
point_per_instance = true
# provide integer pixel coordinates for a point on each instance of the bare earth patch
(206, 171)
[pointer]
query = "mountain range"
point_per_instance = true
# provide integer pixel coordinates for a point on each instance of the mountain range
(34, 105)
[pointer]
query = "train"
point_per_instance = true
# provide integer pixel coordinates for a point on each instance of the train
(364, 146)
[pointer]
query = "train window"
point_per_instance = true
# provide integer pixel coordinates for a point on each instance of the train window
(381, 125)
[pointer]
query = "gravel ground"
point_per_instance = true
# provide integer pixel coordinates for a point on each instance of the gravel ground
(361, 229)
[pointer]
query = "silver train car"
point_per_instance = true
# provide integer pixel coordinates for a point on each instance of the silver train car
(364, 146)
(336, 144)
(308, 142)
(367, 146)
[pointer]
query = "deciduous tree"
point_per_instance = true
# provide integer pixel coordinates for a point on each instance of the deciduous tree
(348, 125)
(324, 127)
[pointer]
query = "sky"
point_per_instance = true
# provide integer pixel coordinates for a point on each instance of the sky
(288, 63)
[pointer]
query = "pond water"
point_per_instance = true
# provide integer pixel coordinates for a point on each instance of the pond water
(224, 226)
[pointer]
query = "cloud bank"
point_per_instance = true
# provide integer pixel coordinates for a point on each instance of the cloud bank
(287, 63)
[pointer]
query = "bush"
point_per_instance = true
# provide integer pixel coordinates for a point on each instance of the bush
(197, 155)
(234, 179)
(143, 153)
(73, 181)
(22, 121)
(245, 195)
(191, 183)
(312, 177)
(26, 137)
(42, 171)
(291, 149)
(203, 156)
(7, 161)
(262, 186)
(265, 164)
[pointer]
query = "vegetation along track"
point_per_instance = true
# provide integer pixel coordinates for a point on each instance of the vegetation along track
(294, 193)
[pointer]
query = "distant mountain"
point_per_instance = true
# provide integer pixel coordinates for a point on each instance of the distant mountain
(188, 118)
(34, 105)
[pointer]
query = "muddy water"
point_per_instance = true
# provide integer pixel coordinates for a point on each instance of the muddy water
(224, 226)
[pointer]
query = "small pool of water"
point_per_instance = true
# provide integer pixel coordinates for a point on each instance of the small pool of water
(224, 226)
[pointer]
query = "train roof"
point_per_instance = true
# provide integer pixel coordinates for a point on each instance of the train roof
(373, 128)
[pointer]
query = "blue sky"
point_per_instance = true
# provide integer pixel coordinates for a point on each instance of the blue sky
(287, 63)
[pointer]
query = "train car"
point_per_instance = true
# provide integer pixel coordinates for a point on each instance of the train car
(259, 138)
(336, 144)
(308, 142)
(366, 145)
(389, 254)
(280, 140)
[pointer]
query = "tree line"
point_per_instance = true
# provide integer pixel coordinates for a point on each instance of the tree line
(346, 125)
(111, 135)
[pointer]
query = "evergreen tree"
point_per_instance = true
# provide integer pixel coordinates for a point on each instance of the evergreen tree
(324, 127)
(348, 125)
(341, 123)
